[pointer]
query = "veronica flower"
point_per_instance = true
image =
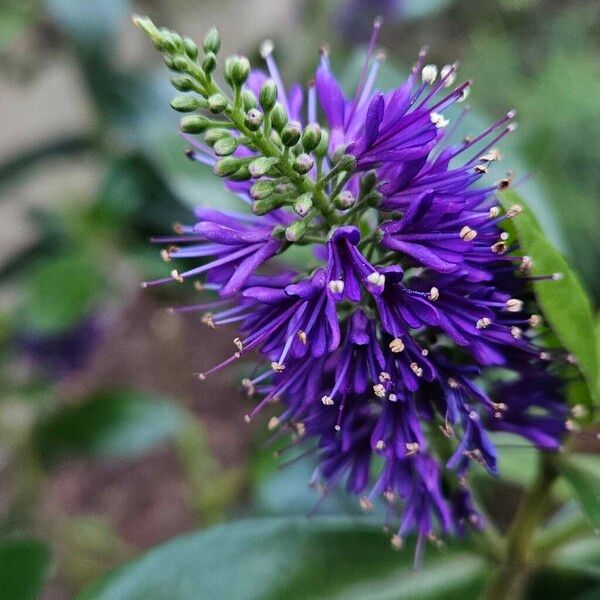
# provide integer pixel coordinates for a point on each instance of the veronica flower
(417, 291)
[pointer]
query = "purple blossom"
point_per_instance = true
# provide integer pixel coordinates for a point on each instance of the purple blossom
(388, 341)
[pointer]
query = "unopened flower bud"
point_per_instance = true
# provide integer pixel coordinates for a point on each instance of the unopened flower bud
(212, 42)
(213, 135)
(262, 165)
(185, 104)
(279, 117)
(180, 63)
(254, 119)
(148, 27)
(323, 146)
(344, 200)
(227, 166)
(225, 146)
(296, 230)
(264, 206)
(347, 162)
(303, 204)
(194, 124)
(311, 137)
(263, 188)
(209, 62)
(268, 95)
(237, 69)
(249, 100)
(242, 174)
(182, 84)
(368, 182)
(217, 103)
(190, 48)
(303, 163)
(290, 135)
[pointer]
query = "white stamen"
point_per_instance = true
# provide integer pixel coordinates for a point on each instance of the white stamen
(438, 120)
(434, 294)
(377, 279)
(393, 398)
(336, 286)
(277, 367)
(514, 305)
(446, 69)
(379, 390)
(483, 323)
(273, 423)
(327, 400)
(467, 234)
(396, 345)
(429, 74)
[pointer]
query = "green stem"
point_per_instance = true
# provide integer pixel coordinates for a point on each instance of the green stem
(509, 581)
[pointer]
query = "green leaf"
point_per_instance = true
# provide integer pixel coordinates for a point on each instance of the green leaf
(582, 471)
(291, 559)
(60, 292)
(23, 567)
(565, 304)
(108, 424)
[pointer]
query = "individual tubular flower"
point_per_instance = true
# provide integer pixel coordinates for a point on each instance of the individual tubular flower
(380, 348)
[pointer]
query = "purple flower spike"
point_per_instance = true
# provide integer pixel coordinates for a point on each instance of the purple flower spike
(408, 289)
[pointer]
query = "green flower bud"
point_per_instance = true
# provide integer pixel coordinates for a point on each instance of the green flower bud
(265, 205)
(242, 174)
(344, 200)
(290, 135)
(169, 41)
(212, 42)
(177, 40)
(254, 119)
(279, 117)
(212, 136)
(367, 182)
(303, 204)
(237, 69)
(227, 166)
(194, 124)
(180, 63)
(311, 137)
(262, 165)
(225, 146)
(182, 83)
(296, 230)
(148, 27)
(249, 100)
(209, 63)
(347, 162)
(185, 103)
(190, 48)
(170, 62)
(262, 189)
(268, 95)
(303, 163)
(217, 103)
(323, 147)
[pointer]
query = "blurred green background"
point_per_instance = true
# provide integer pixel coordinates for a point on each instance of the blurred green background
(108, 444)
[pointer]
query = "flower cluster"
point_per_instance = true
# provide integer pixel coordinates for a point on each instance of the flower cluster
(378, 354)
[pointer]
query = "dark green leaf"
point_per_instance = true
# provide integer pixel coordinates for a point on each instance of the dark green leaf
(115, 425)
(564, 303)
(291, 559)
(582, 471)
(60, 292)
(23, 567)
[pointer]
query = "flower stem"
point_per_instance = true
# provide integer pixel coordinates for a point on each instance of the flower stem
(509, 580)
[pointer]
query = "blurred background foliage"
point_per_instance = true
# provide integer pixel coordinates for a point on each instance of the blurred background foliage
(107, 443)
